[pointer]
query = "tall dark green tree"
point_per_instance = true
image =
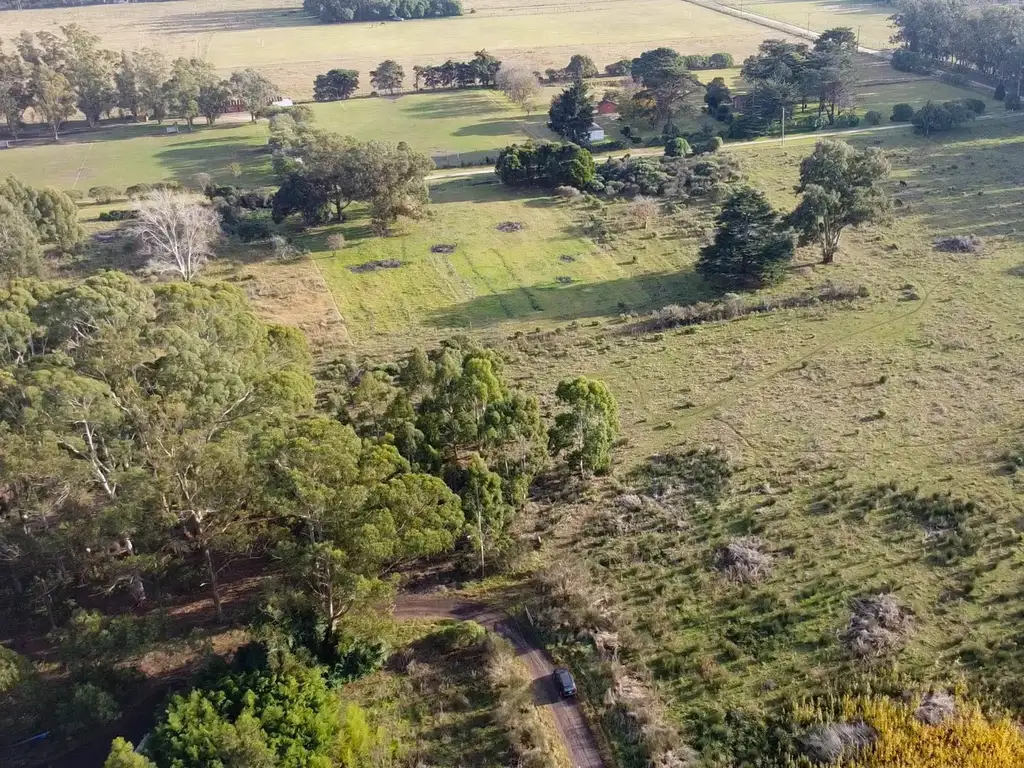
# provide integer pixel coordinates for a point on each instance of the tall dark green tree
(572, 114)
(751, 246)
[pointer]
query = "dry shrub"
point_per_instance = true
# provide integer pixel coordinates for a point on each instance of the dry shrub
(744, 560)
(515, 712)
(568, 193)
(878, 626)
(959, 244)
(572, 603)
(733, 306)
(936, 707)
(833, 742)
(636, 712)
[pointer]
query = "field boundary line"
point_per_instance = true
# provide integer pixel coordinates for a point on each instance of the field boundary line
(85, 160)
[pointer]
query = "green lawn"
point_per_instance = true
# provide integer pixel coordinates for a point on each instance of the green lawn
(456, 127)
(122, 156)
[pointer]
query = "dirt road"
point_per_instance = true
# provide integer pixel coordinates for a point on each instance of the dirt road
(569, 718)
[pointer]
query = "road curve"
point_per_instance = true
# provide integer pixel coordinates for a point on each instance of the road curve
(569, 718)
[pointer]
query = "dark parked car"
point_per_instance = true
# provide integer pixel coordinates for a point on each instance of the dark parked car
(564, 683)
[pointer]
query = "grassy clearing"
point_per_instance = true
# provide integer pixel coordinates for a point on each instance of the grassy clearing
(285, 43)
(125, 155)
(869, 19)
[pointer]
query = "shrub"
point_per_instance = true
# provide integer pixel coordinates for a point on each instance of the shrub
(545, 164)
(847, 120)
(902, 113)
(977, 106)
(721, 60)
(872, 117)
(959, 244)
(744, 560)
(461, 635)
(104, 194)
(1000, 92)
(910, 61)
(567, 193)
(833, 743)
(138, 191)
(955, 78)
(76, 195)
(619, 68)
(122, 214)
(878, 626)
(678, 147)
(935, 118)
(251, 229)
(88, 707)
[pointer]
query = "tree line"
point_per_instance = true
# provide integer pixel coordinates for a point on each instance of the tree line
(985, 38)
(332, 11)
(58, 75)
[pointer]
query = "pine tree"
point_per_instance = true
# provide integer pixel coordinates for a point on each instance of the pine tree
(750, 247)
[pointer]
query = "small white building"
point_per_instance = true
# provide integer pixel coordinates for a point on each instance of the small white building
(596, 133)
(283, 103)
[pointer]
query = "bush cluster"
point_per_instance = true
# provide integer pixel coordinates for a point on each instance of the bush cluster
(378, 10)
(546, 164)
(910, 61)
(671, 177)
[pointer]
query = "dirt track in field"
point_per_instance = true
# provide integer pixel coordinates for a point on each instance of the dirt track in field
(569, 718)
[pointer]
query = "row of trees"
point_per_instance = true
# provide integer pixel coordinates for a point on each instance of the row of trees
(153, 431)
(57, 75)
(389, 76)
(840, 187)
(330, 11)
(985, 37)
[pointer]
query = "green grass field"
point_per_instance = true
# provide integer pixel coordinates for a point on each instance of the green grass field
(917, 384)
(292, 49)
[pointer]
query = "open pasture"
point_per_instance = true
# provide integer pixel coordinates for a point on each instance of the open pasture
(869, 20)
(292, 48)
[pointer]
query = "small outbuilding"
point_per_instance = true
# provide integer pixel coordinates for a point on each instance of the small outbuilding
(607, 107)
(596, 132)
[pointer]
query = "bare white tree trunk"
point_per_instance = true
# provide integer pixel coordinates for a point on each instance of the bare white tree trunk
(177, 232)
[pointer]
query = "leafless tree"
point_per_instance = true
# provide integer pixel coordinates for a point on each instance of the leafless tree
(643, 210)
(336, 242)
(519, 85)
(177, 232)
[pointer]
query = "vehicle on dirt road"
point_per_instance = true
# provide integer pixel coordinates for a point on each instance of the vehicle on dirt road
(564, 683)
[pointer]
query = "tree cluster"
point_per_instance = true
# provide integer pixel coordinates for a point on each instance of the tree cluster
(31, 219)
(482, 69)
(545, 164)
(322, 173)
(57, 75)
(673, 177)
(985, 37)
(666, 85)
(840, 188)
(936, 118)
(785, 74)
(332, 11)
(580, 67)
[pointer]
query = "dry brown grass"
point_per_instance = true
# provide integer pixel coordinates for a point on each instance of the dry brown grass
(279, 39)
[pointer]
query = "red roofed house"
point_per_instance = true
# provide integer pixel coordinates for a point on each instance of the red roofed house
(607, 107)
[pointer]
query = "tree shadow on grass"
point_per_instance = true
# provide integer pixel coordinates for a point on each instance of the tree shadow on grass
(499, 126)
(575, 301)
(230, 21)
(456, 104)
(214, 156)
